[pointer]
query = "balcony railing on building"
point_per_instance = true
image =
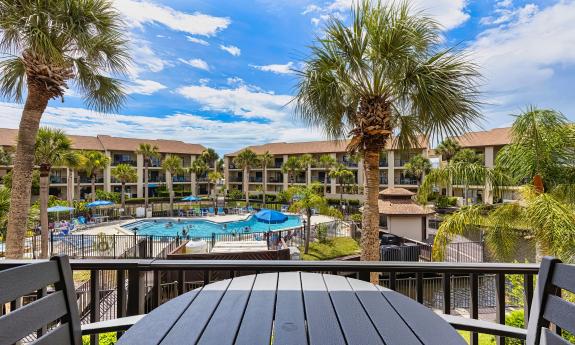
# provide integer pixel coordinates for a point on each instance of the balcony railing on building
(125, 161)
(236, 179)
(85, 179)
(181, 179)
(256, 179)
(406, 181)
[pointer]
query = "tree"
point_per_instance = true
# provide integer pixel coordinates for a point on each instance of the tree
(53, 148)
(326, 162)
(76, 165)
(292, 167)
(124, 173)
(265, 160)
(220, 165)
(210, 156)
(214, 177)
(148, 152)
(417, 167)
(468, 156)
(5, 157)
(47, 45)
(93, 162)
(199, 167)
(389, 71)
(172, 165)
(246, 160)
(541, 143)
(448, 148)
(344, 175)
(308, 198)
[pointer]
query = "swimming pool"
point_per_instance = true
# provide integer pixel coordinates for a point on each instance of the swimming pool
(205, 228)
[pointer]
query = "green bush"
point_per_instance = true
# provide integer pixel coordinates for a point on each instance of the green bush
(356, 217)
(516, 319)
(111, 196)
(321, 230)
(235, 194)
(104, 339)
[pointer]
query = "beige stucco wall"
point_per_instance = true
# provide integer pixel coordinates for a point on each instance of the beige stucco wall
(405, 226)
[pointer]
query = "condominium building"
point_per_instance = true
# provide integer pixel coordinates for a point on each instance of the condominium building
(392, 172)
(63, 181)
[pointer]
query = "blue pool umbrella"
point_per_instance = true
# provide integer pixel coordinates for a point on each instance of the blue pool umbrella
(60, 209)
(191, 198)
(99, 203)
(270, 216)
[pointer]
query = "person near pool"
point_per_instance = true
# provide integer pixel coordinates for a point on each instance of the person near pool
(169, 225)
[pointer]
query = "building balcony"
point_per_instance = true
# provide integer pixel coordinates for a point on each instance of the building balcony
(85, 179)
(57, 179)
(256, 179)
(127, 161)
(235, 179)
(181, 179)
(406, 181)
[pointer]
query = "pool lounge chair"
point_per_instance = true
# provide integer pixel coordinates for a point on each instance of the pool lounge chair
(284, 208)
(250, 209)
(211, 212)
(221, 211)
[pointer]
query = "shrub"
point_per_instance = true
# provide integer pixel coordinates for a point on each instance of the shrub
(356, 217)
(111, 196)
(104, 339)
(235, 194)
(321, 230)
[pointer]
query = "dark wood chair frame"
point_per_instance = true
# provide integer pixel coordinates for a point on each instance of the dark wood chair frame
(61, 305)
(547, 308)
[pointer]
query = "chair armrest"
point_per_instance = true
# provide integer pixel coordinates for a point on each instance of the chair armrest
(114, 325)
(485, 327)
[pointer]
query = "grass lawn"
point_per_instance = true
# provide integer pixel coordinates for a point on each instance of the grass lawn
(330, 249)
(484, 339)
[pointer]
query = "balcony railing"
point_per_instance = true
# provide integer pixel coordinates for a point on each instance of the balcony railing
(275, 179)
(236, 179)
(406, 181)
(57, 179)
(181, 179)
(139, 286)
(126, 161)
(256, 179)
(84, 179)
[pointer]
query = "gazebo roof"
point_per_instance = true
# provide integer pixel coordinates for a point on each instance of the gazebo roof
(402, 208)
(395, 191)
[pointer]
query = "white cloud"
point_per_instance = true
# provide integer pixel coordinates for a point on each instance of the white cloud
(276, 68)
(196, 63)
(144, 58)
(198, 40)
(223, 136)
(144, 87)
(243, 100)
(504, 15)
(235, 51)
(140, 12)
(450, 13)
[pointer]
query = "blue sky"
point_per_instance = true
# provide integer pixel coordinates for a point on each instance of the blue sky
(218, 72)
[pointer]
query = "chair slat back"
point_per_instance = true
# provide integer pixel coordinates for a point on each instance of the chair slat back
(547, 307)
(57, 311)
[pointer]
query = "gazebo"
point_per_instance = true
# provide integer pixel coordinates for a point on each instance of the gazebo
(402, 215)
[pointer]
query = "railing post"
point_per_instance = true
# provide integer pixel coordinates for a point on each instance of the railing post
(121, 293)
(364, 275)
(213, 239)
(393, 280)
(82, 244)
(474, 312)
(156, 289)
(500, 303)
(527, 296)
(446, 293)
(136, 292)
(94, 302)
(114, 244)
(419, 287)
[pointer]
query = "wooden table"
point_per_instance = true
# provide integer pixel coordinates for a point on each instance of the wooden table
(275, 308)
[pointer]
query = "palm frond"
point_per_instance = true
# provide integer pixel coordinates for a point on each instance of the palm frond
(13, 78)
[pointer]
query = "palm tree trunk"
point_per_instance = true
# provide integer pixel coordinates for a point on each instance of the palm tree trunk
(307, 231)
(171, 191)
(123, 196)
(146, 187)
(93, 187)
(325, 182)
(36, 103)
(78, 186)
(265, 184)
(44, 185)
(246, 185)
(370, 219)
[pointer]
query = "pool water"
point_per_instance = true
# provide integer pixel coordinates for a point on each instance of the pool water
(205, 228)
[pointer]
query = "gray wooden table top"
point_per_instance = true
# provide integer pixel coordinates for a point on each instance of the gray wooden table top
(292, 308)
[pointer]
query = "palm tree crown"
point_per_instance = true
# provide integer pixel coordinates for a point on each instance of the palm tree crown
(448, 148)
(53, 147)
(125, 173)
(246, 160)
(418, 166)
(93, 162)
(210, 156)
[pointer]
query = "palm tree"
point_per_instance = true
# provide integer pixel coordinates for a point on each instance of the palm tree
(417, 167)
(124, 173)
(214, 177)
(292, 167)
(172, 165)
(210, 156)
(199, 167)
(541, 143)
(220, 165)
(448, 148)
(75, 165)
(93, 162)
(326, 162)
(149, 152)
(5, 157)
(308, 198)
(265, 159)
(387, 71)
(53, 148)
(467, 156)
(344, 175)
(246, 160)
(49, 44)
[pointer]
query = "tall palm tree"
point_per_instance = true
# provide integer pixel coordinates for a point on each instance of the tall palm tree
(265, 159)
(448, 148)
(210, 156)
(468, 156)
(220, 166)
(214, 177)
(417, 167)
(308, 199)
(199, 167)
(124, 173)
(326, 162)
(292, 166)
(53, 148)
(246, 160)
(49, 44)
(541, 143)
(387, 71)
(172, 165)
(75, 165)
(344, 176)
(149, 152)
(94, 161)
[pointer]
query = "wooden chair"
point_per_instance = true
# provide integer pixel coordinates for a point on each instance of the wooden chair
(41, 316)
(547, 308)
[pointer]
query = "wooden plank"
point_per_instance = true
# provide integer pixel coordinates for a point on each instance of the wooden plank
(427, 326)
(560, 312)
(355, 323)
(152, 328)
(256, 326)
(26, 320)
(391, 327)
(536, 321)
(66, 285)
(322, 324)
(192, 322)
(29, 278)
(550, 338)
(289, 327)
(225, 322)
(564, 277)
(60, 335)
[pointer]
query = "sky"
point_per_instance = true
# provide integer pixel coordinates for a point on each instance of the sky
(220, 72)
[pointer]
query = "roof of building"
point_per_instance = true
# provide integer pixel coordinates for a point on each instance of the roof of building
(403, 207)
(492, 137)
(396, 191)
(105, 142)
(325, 146)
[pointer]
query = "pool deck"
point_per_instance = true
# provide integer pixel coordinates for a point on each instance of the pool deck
(116, 228)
